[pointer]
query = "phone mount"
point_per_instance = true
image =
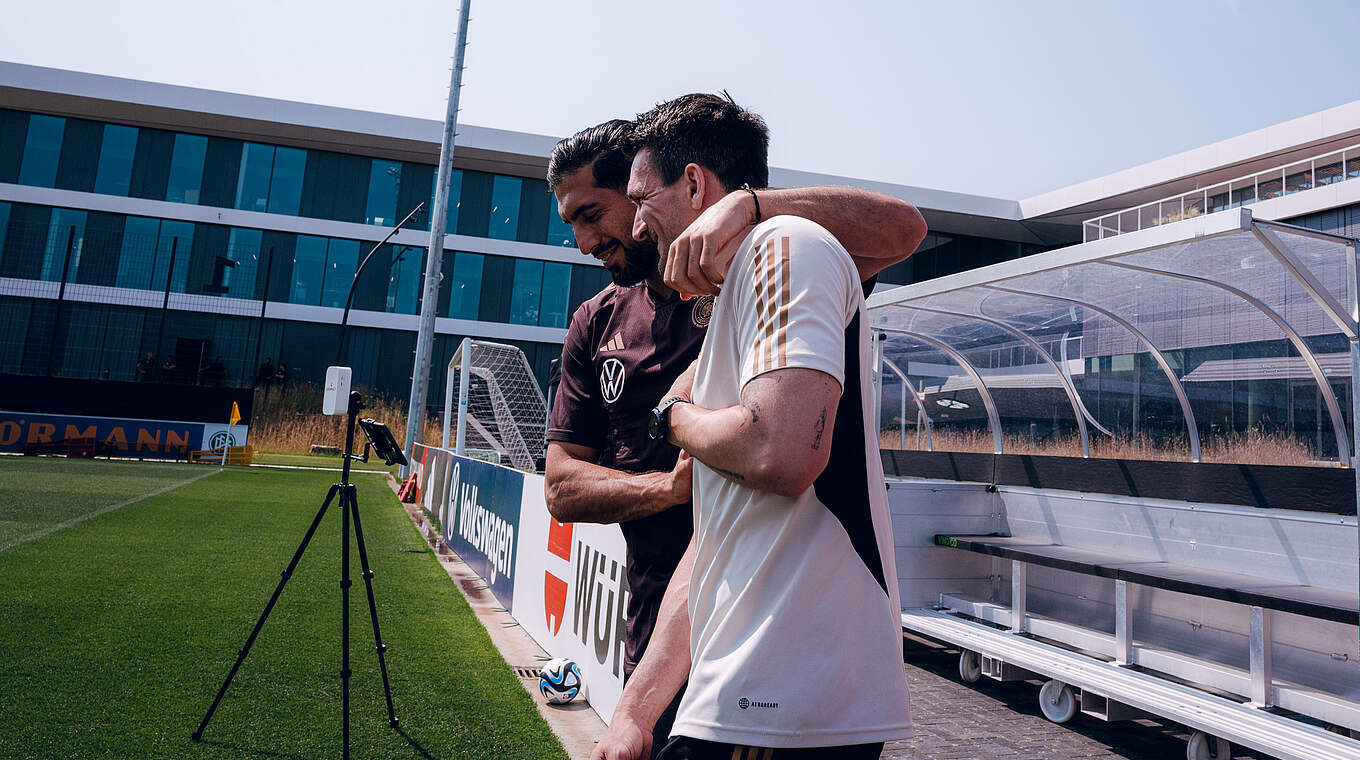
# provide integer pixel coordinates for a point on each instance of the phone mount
(380, 440)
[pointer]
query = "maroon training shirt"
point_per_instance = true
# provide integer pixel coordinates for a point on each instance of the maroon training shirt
(623, 350)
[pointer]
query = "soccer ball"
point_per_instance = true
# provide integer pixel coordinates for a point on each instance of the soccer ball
(559, 680)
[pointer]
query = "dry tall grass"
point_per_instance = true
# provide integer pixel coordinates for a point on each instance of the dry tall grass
(294, 422)
(1251, 447)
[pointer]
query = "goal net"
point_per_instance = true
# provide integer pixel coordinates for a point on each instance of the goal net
(493, 403)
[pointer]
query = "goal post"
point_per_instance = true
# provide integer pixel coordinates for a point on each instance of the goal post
(492, 402)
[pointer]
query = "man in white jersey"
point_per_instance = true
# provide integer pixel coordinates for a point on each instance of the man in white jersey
(788, 628)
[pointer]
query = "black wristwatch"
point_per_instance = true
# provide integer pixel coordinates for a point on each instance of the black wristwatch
(659, 422)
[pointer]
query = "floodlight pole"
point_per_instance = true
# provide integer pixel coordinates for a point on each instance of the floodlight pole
(420, 374)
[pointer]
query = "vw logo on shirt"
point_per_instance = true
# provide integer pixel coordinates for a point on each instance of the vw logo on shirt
(611, 380)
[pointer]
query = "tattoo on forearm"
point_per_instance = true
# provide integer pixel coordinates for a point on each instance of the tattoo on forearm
(732, 475)
(753, 408)
(819, 428)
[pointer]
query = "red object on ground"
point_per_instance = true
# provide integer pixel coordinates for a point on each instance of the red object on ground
(407, 494)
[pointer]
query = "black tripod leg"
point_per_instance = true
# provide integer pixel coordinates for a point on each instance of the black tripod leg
(346, 498)
(288, 573)
(372, 607)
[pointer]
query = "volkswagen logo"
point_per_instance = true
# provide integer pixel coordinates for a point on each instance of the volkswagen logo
(611, 380)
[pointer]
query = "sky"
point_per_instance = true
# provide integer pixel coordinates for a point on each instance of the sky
(1004, 99)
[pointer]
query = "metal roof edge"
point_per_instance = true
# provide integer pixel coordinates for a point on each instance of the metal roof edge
(1321, 125)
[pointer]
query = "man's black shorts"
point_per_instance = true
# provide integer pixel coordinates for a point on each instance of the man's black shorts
(685, 748)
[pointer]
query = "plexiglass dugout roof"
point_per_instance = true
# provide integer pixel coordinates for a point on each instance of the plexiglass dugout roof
(1198, 339)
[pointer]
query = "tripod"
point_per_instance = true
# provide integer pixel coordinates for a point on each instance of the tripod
(349, 506)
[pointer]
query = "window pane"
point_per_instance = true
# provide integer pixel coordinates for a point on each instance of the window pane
(309, 264)
(384, 177)
(556, 289)
(527, 292)
(4, 224)
(114, 174)
(186, 168)
(504, 222)
(42, 150)
(137, 258)
(559, 232)
(252, 184)
(176, 238)
(403, 286)
(466, 294)
(285, 188)
(342, 257)
(59, 238)
(243, 249)
(455, 200)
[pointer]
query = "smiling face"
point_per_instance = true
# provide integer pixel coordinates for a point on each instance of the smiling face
(602, 221)
(663, 211)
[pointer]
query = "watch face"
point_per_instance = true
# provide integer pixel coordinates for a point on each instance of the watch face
(654, 424)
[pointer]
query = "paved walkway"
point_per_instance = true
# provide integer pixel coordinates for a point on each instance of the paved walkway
(1002, 720)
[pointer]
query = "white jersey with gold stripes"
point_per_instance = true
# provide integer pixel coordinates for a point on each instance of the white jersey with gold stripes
(795, 632)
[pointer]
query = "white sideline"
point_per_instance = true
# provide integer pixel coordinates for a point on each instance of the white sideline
(102, 510)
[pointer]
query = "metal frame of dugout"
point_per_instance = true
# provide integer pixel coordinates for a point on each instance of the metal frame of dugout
(1238, 620)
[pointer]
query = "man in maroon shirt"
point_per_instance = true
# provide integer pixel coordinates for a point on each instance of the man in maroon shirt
(627, 345)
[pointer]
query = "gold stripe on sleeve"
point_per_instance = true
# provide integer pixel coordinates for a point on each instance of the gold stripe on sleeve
(782, 335)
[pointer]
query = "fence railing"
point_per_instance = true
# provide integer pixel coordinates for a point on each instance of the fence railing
(1286, 179)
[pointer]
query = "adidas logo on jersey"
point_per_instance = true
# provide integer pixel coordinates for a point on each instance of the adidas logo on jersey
(615, 343)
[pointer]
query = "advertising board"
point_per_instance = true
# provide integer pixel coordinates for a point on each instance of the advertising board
(119, 437)
(572, 594)
(568, 587)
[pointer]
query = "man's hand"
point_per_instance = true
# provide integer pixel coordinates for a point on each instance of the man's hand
(682, 479)
(698, 259)
(625, 740)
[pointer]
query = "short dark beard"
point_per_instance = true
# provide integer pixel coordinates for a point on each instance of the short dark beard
(639, 263)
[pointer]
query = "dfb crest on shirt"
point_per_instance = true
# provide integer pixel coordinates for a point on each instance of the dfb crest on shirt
(611, 380)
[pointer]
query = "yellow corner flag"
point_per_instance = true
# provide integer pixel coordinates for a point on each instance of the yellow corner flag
(235, 414)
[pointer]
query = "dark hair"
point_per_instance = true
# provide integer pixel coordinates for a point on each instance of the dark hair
(598, 147)
(711, 131)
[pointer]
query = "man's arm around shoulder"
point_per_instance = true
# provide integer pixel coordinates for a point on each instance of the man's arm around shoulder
(876, 230)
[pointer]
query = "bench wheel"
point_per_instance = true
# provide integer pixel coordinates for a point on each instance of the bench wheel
(970, 666)
(1205, 747)
(1057, 701)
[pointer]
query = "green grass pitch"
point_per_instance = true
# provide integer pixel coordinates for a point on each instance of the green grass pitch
(117, 629)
